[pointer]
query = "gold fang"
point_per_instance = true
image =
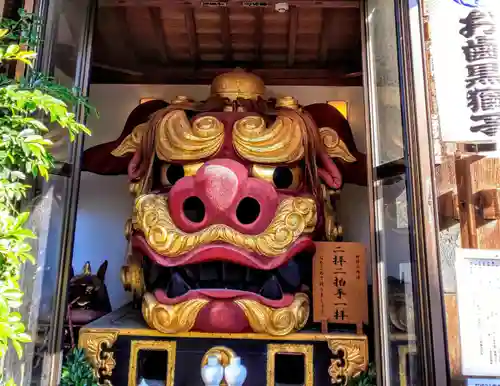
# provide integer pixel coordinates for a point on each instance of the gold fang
(178, 140)
(171, 319)
(295, 216)
(276, 321)
(335, 147)
(280, 143)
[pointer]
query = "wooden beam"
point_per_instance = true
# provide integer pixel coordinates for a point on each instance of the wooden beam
(184, 75)
(324, 37)
(293, 26)
(259, 34)
(159, 31)
(192, 34)
(232, 3)
(226, 34)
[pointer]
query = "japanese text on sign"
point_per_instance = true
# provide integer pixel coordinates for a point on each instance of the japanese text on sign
(339, 283)
(483, 74)
(478, 282)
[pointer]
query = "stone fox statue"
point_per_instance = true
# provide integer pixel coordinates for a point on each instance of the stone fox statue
(230, 193)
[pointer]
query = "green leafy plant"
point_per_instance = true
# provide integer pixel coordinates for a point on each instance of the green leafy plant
(366, 378)
(77, 371)
(27, 106)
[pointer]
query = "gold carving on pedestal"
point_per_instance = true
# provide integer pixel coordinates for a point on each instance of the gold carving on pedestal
(152, 345)
(294, 217)
(171, 319)
(97, 346)
(276, 321)
(282, 142)
(335, 147)
(304, 349)
(351, 360)
(223, 353)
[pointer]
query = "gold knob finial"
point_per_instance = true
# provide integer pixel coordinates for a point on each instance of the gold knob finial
(238, 84)
(288, 102)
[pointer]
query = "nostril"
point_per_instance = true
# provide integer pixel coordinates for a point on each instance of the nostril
(194, 209)
(248, 210)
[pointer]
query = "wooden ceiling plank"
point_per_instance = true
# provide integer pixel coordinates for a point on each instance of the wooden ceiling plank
(324, 44)
(293, 26)
(192, 34)
(226, 34)
(157, 24)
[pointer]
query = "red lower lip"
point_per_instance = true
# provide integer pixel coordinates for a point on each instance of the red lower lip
(224, 295)
(224, 252)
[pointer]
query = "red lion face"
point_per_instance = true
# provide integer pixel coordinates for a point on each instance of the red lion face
(228, 204)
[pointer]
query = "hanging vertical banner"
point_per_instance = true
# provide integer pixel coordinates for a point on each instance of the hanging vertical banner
(465, 43)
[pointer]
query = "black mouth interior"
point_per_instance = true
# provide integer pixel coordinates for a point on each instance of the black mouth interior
(291, 277)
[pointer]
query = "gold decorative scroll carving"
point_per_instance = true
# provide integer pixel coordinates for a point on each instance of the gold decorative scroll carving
(181, 317)
(351, 359)
(335, 147)
(179, 140)
(131, 141)
(152, 345)
(97, 346)
(282, 142)
(171, 319)
(276, 321)
(294, 217)
(305, 349)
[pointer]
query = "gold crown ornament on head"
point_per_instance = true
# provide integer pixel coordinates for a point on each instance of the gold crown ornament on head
(238, 84)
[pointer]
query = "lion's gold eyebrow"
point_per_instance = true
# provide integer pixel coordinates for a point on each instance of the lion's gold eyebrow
(280, 142)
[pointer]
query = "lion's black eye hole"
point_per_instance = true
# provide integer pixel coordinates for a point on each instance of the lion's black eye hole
(282, 177)
(174, 173)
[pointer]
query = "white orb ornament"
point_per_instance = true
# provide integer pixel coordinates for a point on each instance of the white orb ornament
(235, 373)
(213, 372)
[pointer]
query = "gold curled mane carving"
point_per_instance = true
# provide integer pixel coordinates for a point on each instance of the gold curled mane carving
(177, 139)
(97, 346)
(171, 319)
(132, 141)
(276, 321)
(352, 359)
(335, 147)
(282, 142)
(294, 217)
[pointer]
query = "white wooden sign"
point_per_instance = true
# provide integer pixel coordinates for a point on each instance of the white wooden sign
(483, 382)
(465, 44)
(478, 294)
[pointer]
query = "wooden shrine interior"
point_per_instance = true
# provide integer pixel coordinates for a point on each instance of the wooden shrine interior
(190, 42)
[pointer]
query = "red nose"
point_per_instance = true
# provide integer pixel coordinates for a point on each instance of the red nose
(222, 193)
